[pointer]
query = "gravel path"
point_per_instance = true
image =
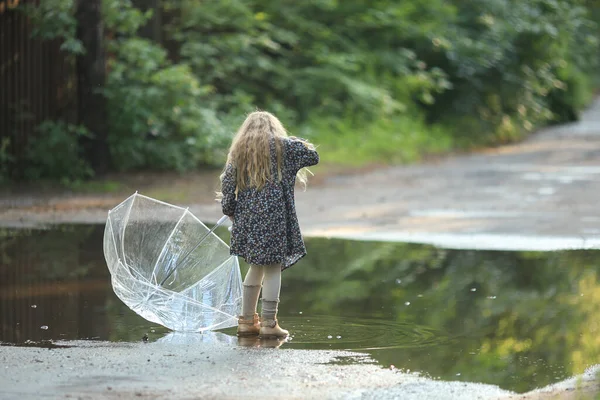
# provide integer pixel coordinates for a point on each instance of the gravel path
(211, 369)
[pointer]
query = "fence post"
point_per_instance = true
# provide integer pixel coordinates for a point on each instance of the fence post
(91, 72)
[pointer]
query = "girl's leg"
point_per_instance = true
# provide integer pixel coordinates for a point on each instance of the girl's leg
(270, 300)
(271, 290)
(252, 284)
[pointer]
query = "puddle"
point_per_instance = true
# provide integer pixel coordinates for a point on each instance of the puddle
(328, 332)
(518, 320)
(43, 344)
(477, 241)
(351, 360)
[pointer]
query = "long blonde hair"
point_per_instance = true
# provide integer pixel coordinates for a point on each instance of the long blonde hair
(250, 151)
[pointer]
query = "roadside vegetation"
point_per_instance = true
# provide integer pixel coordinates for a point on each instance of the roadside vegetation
(368, 81)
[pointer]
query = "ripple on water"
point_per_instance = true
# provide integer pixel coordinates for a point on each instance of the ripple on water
(346, 333)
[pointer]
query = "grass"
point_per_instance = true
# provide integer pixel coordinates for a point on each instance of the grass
(96, 186)
(397, 140)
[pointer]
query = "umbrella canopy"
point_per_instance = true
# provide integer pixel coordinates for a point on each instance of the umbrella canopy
(168, 267)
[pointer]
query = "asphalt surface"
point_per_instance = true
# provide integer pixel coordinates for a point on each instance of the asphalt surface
(192, 367)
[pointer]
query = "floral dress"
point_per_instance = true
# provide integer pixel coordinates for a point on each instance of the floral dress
(265, 228)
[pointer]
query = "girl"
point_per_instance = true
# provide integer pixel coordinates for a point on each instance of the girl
(257, 188)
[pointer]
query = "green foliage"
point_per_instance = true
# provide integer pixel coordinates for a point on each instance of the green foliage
(573, 95)
(121, 17)
(397, 139)
(488, 70)
(159, 113)
(54, 153)
(514, 65)
(419, 77)
(308, 56)
(54, 19)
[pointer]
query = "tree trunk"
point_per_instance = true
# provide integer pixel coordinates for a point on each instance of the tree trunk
(152, 30)
(91, 73)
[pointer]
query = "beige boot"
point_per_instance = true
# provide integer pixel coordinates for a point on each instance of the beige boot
(248, 327)
(270, 328)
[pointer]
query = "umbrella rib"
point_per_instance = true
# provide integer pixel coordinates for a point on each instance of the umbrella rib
(140, 278)
(184, 291)
(123, 202)
(213, 272)
(165, 245)
(211, 327)
(125, 221)
(219, 222)
(188, 300)
(215, 309)
(114, 238)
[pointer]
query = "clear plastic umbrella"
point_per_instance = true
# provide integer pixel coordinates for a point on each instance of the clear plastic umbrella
(168, 267)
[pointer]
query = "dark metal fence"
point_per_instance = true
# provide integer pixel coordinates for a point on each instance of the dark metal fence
(37, 81)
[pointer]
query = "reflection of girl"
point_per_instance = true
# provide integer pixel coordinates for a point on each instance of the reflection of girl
(258, 195)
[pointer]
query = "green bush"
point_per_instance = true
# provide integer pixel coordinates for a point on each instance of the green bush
(160, 115)
(514, 66)
(573, 94)
(54, 153)
(54, 19)
(360, 77)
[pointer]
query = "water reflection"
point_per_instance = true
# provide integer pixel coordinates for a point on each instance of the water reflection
(187, 338)
(518, 320)
(353, 333)
(266, 343)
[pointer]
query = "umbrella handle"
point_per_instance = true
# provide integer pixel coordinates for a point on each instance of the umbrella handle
(219, 222)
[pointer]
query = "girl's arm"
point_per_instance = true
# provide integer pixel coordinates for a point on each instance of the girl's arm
(228, 184)
(303, 153)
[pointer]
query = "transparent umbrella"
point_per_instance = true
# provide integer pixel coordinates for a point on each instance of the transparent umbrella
(168, 267)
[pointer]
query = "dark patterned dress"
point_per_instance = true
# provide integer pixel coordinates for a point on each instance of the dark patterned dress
(265, 228)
